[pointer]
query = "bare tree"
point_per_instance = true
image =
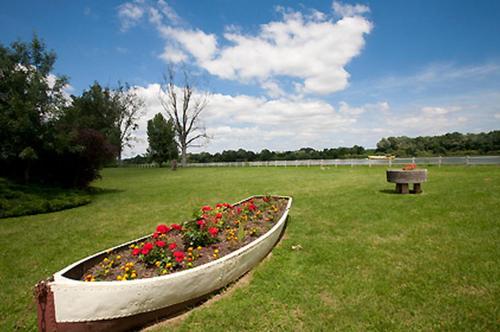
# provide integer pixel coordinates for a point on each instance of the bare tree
(184, 107)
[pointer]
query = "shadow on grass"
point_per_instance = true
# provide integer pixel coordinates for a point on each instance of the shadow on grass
(388, 191)
(18, 200)
(102, 191)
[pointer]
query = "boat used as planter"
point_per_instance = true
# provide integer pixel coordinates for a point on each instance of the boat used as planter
(66, 303)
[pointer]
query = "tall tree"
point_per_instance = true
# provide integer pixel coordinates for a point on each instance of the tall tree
(184, 107)
(161, 138)
(30, 101)
(129, 108)
(112, 112)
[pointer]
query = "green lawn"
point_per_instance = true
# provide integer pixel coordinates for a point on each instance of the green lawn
(371, 260)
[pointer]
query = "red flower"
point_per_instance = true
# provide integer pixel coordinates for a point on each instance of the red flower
(162, 229)
(145, 251)
(201, 223)
(219, 205)
(252, 207)
(179, 256)
(160, 244)
(176, 227)
(213, 231)
(409, 167)
(155, 235)
(218, 215)
(238, 210)
(148, 246)
(136, 251)
(227, 205)
(206, 208)
(172, 246)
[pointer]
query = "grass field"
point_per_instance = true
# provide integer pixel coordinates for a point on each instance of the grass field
(371, 259)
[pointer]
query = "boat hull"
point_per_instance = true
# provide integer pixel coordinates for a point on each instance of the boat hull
(73, 305)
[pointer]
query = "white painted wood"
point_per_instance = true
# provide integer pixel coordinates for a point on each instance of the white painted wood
(78, 301)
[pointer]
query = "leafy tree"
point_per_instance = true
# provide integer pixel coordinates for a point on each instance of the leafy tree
(41, 136)
(161, 138)
(129, 107)
(114, 113)
(30, 99)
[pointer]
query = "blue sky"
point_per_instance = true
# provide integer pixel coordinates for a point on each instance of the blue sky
(286, 74)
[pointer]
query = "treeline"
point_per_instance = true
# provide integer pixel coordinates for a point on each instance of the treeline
(265, 155)
(444, 145)
(50, 137)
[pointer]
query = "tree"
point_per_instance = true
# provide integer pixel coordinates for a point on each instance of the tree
(113, 112)
(184, 111)
(129, 108)
(30, 101)
(161, 138)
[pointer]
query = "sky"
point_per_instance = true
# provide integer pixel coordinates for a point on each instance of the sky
(283, 75)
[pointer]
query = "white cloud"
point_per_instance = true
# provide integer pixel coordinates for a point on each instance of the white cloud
(439, 110)
(344, 10)
(199, 44)
(130, 14)
(309, 48)
(173, 55)
(255, 122)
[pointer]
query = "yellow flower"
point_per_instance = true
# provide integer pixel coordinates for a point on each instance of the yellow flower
(164, 272)
(216, 251)
(157, 263)
(133, 275)
(119, 277)
(118, 257)
(169, 265)
(199, 247)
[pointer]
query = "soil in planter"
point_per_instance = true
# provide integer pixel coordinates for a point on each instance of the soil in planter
(212, 234)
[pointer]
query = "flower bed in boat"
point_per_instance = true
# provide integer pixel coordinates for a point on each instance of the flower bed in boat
(213, 233)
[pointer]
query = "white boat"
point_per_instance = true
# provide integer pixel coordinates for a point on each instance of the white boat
(66, 303)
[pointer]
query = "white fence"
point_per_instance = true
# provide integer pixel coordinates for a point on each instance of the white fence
(477, 160)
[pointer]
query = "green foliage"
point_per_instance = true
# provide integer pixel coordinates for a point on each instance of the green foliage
(196, 236)
(448, 144)
(18, 200)
(161, 138)
(47, 137)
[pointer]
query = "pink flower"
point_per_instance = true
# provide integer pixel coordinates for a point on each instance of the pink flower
(213, 231)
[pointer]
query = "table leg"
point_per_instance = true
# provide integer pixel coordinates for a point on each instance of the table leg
(402, 188)
(417, 188)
